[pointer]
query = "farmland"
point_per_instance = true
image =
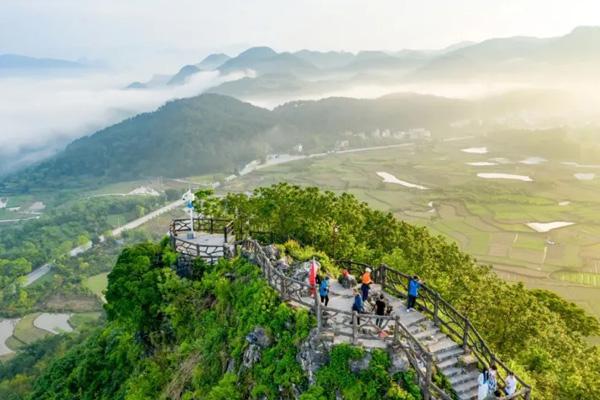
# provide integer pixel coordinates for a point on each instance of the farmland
(486, 217)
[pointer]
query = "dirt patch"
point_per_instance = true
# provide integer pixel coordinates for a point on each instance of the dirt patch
(74, 303)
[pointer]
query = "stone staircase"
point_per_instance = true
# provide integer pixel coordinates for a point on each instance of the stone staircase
(446, 352)
(413, 335)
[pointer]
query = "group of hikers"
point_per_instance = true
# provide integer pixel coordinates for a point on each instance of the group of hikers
(488, 387)
(361, 294)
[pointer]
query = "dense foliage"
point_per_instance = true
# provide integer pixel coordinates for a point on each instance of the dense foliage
(175, 338)
(541, 335)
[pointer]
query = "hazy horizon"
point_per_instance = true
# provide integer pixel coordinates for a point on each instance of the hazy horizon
(158, 35)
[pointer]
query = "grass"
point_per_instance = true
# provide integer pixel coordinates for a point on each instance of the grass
(26, 332)
(97, 283)
(81, 319)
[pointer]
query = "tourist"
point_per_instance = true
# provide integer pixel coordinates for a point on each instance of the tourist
(324, 290)
(413, 292)
(380, 306)
(366, 282)
(511, 384)
(358, 304)
(493, 380)
(482, 384)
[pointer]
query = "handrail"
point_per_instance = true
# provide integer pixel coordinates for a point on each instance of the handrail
(298, 291)
(443, 313)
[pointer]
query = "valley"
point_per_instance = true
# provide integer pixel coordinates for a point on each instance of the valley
(487, 218)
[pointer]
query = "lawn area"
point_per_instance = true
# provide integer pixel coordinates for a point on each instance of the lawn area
(97, 283)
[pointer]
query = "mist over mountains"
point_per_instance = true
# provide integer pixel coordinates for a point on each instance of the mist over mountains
(68, 107)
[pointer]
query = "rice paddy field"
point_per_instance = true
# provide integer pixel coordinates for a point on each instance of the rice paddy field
(483, 200)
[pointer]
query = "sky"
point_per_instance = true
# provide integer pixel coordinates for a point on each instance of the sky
(158, 35)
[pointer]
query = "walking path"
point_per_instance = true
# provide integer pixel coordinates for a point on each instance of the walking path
(427, 343)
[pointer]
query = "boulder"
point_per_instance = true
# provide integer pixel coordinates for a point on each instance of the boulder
(314, 353)
(357, 366)
(348, 281)
(259, 337)
(272, 252)
(251, 356)
(399, 362)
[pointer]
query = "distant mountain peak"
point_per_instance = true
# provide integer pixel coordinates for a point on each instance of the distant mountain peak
(213, 61)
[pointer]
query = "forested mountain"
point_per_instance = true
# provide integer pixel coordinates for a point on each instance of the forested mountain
(184, 338)
(213, 133)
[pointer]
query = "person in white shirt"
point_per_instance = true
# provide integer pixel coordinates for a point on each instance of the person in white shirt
(511, 384)
(482, 382)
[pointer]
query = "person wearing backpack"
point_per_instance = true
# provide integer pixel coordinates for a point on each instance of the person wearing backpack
(324, 290)
(358, 304)
(413, 292)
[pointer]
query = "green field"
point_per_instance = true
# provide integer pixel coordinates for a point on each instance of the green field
(485, 217)
(97, 284)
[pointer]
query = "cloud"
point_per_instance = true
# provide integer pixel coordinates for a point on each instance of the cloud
(41, 114)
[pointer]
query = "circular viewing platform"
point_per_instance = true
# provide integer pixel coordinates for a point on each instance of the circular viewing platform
(202, 237)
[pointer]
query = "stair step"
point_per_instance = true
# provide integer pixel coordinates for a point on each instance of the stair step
(425, 333)
(422, 326)
(451, 371)
(466, 387)
(447, 354)
(447, 363)
(463, 378)
(444, 345)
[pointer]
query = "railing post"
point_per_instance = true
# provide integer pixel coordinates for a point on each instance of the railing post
(436, 309)
(396, 330)
(212, 226)
(225, 233)
(354, 327)
(428, 377)
(528, 394)
(382, 273)
(466, 333)
(318, 310)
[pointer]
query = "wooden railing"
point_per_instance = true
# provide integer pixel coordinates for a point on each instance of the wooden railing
(211, 253)
(203, 224)
(348, 323)
(452, 322)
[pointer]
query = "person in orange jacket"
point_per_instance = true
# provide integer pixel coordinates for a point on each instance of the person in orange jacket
(366, 283)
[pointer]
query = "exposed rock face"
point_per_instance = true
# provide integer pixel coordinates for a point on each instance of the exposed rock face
(251, 356)
(259, 337)
(399, 362)
(314, 353)
(348, 281)
(357, 366)
(258, 340)
(272, 252)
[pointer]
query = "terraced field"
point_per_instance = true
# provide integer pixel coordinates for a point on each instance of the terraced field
(485, 217)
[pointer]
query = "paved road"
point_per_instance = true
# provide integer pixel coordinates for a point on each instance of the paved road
(44, 269)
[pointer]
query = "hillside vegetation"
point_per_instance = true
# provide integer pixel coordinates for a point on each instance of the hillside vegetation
(174, 338)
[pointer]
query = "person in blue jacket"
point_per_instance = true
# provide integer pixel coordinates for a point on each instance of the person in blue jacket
(358, 304)
(324, 291)
(413, 292)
